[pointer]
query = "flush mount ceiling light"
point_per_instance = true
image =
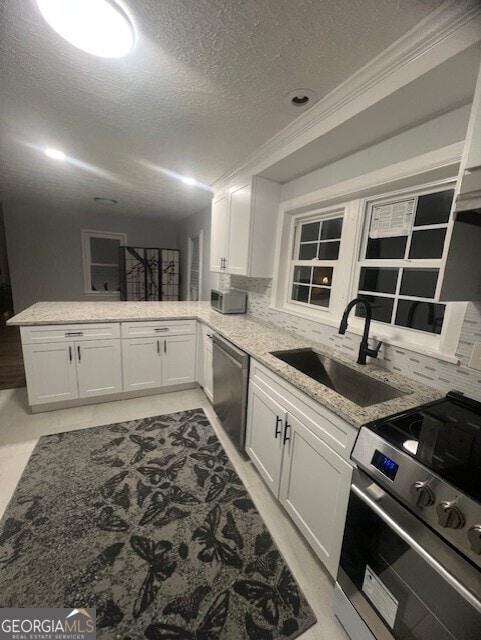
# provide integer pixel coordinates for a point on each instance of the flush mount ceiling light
(55, 154)
(301, 98)
(190, 181)
(107, 202)
(99, 27)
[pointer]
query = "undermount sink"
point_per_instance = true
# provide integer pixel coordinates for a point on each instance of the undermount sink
(353, 385)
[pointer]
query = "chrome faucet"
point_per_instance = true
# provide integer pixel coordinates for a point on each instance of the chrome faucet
(364, 349)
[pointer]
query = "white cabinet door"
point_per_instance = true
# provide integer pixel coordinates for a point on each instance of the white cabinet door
(50, 372)
(99, 367)
(239, 230)
(208, 368)
(219, 246)
(264, 435)
(141, 363)
(315, 491)
(178, 360)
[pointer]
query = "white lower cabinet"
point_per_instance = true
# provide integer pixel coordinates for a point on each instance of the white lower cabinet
(50, 372)
(65, 363)
(265, 432)
(99, 368)
(178, 360)
(57, 372)
(310, 479)
(141, 363)
(150, 363)
(314, 491)
(208, 373)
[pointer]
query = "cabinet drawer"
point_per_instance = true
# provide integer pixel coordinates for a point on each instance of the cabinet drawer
(69, 332)
(337, 433)
(158, 328)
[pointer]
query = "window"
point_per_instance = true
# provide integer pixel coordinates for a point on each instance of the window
(400, 260)
(101, 261)
(314, 260)
(385, 247)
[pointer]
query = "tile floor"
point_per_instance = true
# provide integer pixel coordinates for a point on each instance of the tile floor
(19, 432)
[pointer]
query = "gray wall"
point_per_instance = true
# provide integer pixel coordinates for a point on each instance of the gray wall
(190, 227)
(45, 248)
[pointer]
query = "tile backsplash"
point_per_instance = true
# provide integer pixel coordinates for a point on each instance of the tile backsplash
(428, 370)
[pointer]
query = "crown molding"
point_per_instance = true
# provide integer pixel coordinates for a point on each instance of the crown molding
(449, 30)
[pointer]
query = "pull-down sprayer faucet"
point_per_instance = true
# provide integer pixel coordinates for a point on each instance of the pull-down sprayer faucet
(364, 349)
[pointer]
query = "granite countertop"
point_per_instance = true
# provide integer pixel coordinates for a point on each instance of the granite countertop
(253, 336)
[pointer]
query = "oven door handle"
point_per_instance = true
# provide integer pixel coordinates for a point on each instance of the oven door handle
(409, 540)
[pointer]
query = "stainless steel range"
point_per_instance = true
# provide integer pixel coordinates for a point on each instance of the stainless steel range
(410, 564)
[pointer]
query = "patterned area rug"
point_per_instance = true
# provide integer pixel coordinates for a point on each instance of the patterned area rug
(148, 522)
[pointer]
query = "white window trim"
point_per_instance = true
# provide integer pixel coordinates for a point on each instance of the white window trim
(429, 170)
(86, 234)
(190, 245)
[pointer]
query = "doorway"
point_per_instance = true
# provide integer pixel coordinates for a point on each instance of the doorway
(12, 372)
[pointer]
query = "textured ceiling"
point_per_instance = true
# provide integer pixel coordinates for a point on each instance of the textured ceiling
(202, 89)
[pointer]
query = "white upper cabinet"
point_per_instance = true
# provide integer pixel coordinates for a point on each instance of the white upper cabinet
(242, 228)
(239, 230)
(219, 244)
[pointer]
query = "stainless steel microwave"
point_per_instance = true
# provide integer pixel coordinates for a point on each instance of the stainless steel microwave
(228, 301)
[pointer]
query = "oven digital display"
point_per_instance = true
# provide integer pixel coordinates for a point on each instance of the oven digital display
(385, 465)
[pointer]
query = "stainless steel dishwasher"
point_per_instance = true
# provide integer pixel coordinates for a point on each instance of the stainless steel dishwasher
(231, 378)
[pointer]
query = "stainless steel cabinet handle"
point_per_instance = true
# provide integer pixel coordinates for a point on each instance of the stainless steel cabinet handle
(278, 429)
(158, 347)
(69, 334)
(161, 329)
(286, 437)
(165, 346)
(78, 352)
(70, 354)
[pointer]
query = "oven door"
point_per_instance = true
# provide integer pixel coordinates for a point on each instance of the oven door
(403, 580)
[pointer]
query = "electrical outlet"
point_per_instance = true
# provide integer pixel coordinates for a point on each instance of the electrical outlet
(475, 359)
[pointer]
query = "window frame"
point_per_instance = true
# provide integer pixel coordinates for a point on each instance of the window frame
(337, 299)
(86, 235)
(299, 222)
(352, 196)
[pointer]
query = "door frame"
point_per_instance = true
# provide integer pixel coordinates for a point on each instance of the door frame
(190, 245)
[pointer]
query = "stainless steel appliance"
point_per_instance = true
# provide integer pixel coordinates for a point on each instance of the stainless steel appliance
(410, 565)
(231, 378)
(230, 301)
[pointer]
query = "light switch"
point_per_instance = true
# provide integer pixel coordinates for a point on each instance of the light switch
(475, 359)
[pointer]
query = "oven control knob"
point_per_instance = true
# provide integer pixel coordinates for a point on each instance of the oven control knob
(449, 516)
(474, 537)
(421, 494)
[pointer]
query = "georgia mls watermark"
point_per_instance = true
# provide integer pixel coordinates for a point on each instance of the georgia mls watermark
(47, 624)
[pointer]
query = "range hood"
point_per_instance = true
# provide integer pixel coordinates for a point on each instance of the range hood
(461, 280)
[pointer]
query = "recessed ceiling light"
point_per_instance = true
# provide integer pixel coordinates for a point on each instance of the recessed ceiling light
(55, 154)
(301, 98)
(189, 181)
(99, 27)
(107, 202)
